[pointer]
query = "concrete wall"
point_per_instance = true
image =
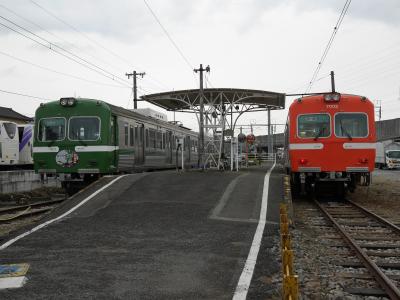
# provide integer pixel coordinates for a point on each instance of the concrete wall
(23, 181)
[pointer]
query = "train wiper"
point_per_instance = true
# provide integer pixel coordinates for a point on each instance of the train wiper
(320, 132)
(345, 131)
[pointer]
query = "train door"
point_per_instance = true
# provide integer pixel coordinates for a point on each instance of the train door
(114, 139)
(168, 147)
(139, 144)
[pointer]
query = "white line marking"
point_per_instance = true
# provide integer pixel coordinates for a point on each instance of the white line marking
(225, 197)
(12, 282)
(359, 145)
(245, 278)
(12, 241)
(306, 146)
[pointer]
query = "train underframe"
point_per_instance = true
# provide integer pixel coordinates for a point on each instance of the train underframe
(334, 183)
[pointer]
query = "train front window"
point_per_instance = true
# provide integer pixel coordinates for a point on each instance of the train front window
(351, 125)
(10, 128)
(313, 126)
(52, 129)
(84, 129)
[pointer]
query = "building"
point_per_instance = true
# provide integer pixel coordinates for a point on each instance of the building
(387, 129)
(8, 114)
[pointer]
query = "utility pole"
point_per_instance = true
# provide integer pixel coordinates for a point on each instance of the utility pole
(201, 125)
(333, 81)
(379, 108)
(134, 88)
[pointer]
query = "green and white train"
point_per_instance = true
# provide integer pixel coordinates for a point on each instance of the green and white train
(78, 139)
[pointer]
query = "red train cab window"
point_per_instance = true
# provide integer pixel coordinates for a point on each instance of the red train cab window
(313, 126)
(351, 125)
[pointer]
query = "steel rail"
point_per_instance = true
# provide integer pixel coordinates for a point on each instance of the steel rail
(20, 207)
(379, 218)
(387, 285)
(25, 214)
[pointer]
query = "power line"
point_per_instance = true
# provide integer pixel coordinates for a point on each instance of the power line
(58, 72)
(170, 38)
(52, 34)
(52, 47)
(121, 58)
(328, 46)
(25, 95)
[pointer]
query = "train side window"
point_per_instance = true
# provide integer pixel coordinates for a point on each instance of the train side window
(349, 125)
(152, 138)
(112, 131)
(141, 132)
(159, 140)
(163, 140)
(126, 133)
(137, 135)
(131, 135)
(313, 126)
(147, 139)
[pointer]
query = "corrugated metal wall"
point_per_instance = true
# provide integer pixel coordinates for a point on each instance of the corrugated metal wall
(388, 129)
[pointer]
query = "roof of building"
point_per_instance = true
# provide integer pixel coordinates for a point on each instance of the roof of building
(9, 113)
(188, 100)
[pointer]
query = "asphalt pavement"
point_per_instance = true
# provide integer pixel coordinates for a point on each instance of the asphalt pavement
(159, 235)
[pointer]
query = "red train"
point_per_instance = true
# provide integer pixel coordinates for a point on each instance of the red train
(330, 142)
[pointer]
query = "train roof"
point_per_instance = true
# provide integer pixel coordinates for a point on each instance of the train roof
(320, 97)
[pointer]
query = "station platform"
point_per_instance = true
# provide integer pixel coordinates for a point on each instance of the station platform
(158, 235)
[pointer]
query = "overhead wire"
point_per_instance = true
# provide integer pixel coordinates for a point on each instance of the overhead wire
(53, 35)
(328, 46)
(51, 46)
(170, 39)
(121, 58)
(61, 73)
(25, 95)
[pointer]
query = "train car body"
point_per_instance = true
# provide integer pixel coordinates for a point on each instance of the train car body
(81, 138)
(25, 133)
(330, 140)
(9, 153)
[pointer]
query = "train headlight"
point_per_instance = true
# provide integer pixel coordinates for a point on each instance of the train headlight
(67, 101)
(71, 101)
(334, 97)
(63, 102)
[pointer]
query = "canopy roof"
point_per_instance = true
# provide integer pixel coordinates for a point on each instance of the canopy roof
(189, 100)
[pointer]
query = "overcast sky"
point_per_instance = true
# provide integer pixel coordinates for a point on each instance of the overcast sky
(254, 44)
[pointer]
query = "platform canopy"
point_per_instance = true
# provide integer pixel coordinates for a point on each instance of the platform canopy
(189, 100)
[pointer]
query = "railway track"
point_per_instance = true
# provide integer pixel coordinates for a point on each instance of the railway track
(13, 213)
(375, 248)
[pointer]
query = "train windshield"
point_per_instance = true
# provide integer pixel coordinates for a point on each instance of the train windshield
(393, 154)
(10, 128)
(52, 129)
(313, 126)
(84, 128)
(351, 125)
